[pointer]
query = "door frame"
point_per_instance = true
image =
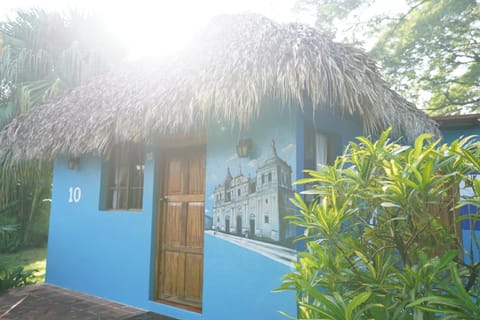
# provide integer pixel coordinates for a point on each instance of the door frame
(166, 143)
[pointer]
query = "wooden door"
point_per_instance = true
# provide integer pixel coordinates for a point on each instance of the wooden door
(181, 219)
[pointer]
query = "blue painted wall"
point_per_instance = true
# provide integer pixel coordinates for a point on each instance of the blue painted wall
(110, 253)
(238, 282)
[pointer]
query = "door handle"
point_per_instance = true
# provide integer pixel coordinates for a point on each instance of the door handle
(163, 198)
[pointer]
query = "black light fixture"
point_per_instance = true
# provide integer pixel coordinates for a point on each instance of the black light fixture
(73, 163)
(243, 147)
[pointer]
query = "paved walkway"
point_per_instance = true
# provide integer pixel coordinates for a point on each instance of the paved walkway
(47, 302)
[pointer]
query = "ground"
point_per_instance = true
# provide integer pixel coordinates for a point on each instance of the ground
(48, 302)
(44, 301)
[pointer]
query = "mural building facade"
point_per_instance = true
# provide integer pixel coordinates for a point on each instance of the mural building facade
(255, 206)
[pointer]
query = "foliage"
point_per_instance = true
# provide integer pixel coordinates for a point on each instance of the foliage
(29, 259)
(17, 277)
(44, 54)
(9, 241)
(333, 17)
(24, 188)
(429, 50)
(437, 51)
(382, 234)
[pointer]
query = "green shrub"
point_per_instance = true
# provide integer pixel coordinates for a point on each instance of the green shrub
(17, 277)
(382, 235)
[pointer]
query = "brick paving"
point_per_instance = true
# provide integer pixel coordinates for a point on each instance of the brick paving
(48, 302)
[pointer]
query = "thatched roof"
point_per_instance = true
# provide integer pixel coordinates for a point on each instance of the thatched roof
(234, 65)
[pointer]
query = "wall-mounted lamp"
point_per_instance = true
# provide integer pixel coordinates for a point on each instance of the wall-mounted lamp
(73, 163)
(244, 147)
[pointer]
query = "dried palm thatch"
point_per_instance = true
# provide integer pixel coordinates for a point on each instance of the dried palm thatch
(233, 66)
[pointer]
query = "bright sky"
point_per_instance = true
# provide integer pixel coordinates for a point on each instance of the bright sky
(160, 27)
(157, 27)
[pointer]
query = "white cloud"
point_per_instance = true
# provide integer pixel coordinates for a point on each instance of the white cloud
(288, 149)
(232, 157)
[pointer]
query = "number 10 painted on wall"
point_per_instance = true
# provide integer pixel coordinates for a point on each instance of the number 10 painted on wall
(75, 193)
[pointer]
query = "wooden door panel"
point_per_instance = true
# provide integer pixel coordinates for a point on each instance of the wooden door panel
(196, 177)
(174, 233)
(194, 226)
(174, 275)
(176, 176)
(193, 276)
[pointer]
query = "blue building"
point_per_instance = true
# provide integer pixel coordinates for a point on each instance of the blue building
(147, 158)
(457, 126)
(452, 128)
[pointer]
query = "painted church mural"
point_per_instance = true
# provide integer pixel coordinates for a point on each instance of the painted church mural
(255, 206)
(248, 196)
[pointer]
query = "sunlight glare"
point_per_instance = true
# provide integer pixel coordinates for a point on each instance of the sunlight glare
(156, 28)
(163, 27)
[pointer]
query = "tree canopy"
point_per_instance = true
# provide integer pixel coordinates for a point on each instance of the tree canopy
(45, 53)
(42, 54)
(429, 49)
